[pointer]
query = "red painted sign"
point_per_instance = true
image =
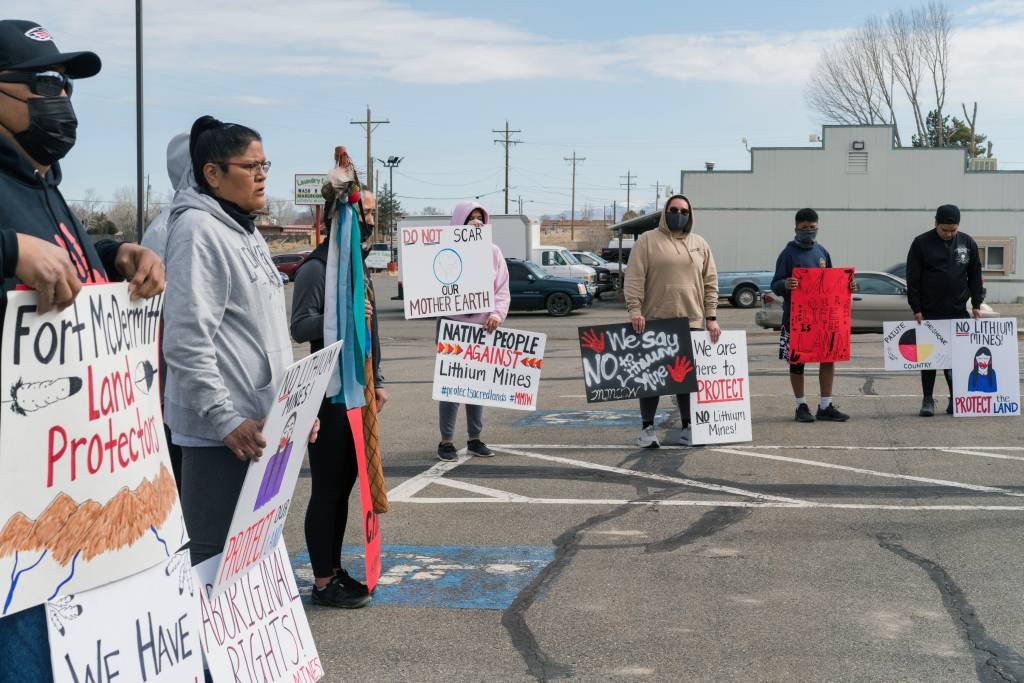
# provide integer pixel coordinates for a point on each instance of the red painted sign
(819, 319)
(371, 522)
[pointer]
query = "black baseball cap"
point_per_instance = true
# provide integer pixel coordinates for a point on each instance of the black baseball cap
(27, 46)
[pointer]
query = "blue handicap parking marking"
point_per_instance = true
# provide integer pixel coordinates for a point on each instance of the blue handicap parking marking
(461, 577)
(588, 418)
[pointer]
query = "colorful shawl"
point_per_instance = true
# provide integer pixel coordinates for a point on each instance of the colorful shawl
(345, 309)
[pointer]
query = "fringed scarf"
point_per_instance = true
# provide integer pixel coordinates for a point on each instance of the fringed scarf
(345, 309)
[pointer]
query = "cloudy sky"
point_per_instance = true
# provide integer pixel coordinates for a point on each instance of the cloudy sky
(646, 87)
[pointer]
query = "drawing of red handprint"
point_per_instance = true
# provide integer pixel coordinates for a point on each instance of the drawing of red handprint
(680, 369)
(593, 341)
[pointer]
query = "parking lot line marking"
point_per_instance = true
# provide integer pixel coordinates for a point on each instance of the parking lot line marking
(965, 451)
(495, 494)
(872, 473)
(653, 476)
(633, 447)
(723, 503)
(410, 487)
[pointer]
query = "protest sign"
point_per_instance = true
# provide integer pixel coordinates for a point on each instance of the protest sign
(500, 368)
(447, 270)
(619, 364)
(378, 258)
(256, 631)
(86, 491)
(109, 633)
(907, 345)
(266, 495)
(720, 410)
(819, 319)
(986, 367)
(371, 522)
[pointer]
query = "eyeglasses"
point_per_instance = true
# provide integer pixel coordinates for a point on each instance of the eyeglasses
(676, 209)
(43, 83)
(252, 166)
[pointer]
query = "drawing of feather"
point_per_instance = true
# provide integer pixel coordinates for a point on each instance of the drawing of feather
(28, 397)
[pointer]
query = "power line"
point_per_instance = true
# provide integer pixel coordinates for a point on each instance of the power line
(572, 211)
(507, 142)
(369, 125)
(629, 185)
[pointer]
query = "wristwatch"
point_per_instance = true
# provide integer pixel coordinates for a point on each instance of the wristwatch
(710, 317)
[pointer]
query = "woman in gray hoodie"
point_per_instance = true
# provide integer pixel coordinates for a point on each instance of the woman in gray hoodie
(225, 331)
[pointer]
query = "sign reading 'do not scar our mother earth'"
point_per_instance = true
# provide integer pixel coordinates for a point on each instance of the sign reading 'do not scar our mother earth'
(447, 270)
(819, 318)
(86, 491)
(620, 364)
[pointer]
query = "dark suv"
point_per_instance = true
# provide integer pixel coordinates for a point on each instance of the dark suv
(532, 288)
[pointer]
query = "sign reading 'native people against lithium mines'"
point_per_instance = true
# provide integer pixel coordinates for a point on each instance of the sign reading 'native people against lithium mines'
(907, 345)
(86, 491)
(110, 634)
(447, 270)
(986, 367)
(307, 188)
(720, 410)
(619, 363)
(500, 368)
(266, 494)
(819, 317)
(256, 631)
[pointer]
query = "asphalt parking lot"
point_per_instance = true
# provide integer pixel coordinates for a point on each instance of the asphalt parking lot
(887, 548)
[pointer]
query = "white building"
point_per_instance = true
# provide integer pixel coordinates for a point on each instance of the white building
(871, 198)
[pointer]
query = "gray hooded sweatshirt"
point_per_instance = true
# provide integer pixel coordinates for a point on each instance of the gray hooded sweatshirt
(225, 331)
(179, 170)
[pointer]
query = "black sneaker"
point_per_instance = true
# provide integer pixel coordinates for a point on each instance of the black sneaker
(351, 584)
(336, 594)
(831, 414)
(949, 406)
(447, 452)
(927, 407)
(803, 414)
(478, 447)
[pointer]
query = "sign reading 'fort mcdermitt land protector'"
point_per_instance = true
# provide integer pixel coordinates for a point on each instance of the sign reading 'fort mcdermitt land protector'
(907, 345)
(86, 491)
(447, 270)
(500, 368)
(619, 363)
(266, 494)
(819, 318)
(720, 410)
(986, 367)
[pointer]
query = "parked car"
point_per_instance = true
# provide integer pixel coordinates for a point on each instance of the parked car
(533, 288)
(879, 297)
(743, 288)
(611, 254)
(607, 272)
(288, 263)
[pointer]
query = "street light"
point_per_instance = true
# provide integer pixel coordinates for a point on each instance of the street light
(390, 165)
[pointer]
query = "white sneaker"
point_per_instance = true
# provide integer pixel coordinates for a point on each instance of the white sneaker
(648, 438)
(686, 437)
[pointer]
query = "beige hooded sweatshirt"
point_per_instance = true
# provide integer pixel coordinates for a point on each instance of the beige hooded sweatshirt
(672, 275)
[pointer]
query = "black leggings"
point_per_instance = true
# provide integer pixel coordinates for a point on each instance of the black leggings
(333, 471)
(928, 381)
(649, 408)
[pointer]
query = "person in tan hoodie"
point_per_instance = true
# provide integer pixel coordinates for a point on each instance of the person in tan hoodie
(671, 274)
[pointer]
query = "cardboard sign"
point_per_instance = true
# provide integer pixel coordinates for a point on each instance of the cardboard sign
(906, 345)
(447, 270)
(720, 410)
(307, 188)
(986, 367)
(620, 364)
(143, 628)
(371, 522)
(500, 368)
(819, 318)
(378, 258)
(86, 491)
(266, 495)
(256, 630)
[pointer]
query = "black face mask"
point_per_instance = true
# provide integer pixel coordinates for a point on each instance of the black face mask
(677, 221)
(52, 128)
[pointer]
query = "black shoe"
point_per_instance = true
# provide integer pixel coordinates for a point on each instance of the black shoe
(350, 583)
(927, 407)
(831, 414)
(949, 406)
(447, 452)
(803, 413)
(478, 447)
(336, 594)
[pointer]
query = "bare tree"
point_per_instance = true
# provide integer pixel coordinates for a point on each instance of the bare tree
(905, 50)
(933, 26)
(872, 43)
(972, 120)
(843, 88)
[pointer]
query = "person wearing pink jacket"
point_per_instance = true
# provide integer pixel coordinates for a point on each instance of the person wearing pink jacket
(471, 213)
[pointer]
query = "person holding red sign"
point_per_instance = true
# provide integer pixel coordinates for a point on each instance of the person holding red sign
(805, 252)
(671, 274)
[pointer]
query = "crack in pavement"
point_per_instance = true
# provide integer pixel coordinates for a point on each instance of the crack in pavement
(993, 661)
(710, 523)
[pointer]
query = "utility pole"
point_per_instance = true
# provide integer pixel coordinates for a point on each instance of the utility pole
(390, 164)
(139, 137)
(369, 125)
(507, 141)
(572, 216)
(148, 189)
(615, 210)
(629, 185)
(520, 205)
(657, 194)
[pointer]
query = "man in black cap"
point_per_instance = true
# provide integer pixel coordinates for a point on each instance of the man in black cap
(42, 244)
(943, 271)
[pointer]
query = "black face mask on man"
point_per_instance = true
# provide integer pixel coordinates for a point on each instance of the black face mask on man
(52, 128)
(677, 221)
(806, 238)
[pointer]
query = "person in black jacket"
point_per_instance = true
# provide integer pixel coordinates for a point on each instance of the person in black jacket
(943, 271)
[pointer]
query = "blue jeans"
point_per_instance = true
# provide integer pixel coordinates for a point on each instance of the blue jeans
(24, 648)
